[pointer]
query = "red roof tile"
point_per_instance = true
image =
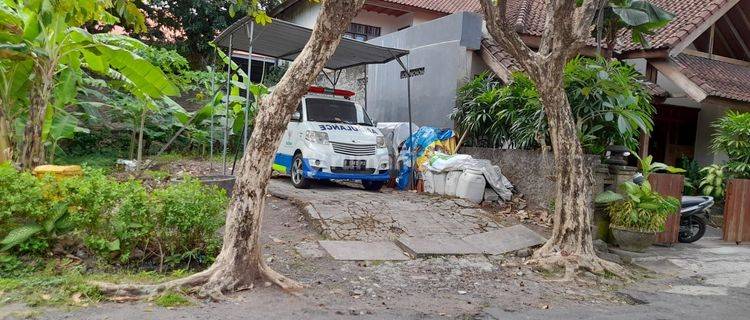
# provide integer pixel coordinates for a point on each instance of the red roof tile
(716, 78)
(689, 14)
(444, 6)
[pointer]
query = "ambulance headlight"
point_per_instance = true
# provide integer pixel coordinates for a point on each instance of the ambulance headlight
(380, 141)
(316, 137)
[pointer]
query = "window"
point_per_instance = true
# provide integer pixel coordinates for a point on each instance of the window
(335, 111)
(362, 32)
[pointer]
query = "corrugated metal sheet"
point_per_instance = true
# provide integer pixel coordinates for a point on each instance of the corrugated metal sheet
(285, 40)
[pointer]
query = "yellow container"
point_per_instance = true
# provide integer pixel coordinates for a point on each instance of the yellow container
(58, 172)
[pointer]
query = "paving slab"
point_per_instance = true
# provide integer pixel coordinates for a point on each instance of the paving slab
(436, 245)
(505, 240)
(346, 212)
(363, 251)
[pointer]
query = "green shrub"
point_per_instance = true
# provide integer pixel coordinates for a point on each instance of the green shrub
(639, 207)
(21, 196)
(692, 175)
(732, 137)
(187, 217)
(120, 222)
(608, 99)
(713, 182)
(170, 227)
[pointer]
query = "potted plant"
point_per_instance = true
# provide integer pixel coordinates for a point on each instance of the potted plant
(638, 212)
(732, 137)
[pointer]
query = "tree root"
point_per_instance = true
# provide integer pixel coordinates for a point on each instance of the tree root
(577, 264)
(278, 279)
(211, 283)
(150, 290)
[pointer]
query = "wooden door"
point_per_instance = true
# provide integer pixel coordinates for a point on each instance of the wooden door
(668, 185)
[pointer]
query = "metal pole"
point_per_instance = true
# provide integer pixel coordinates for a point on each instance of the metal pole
(411, 132)
(211, 124)
(408, 103)
(263, 73)
(226, 115)
(249, 29)
(365, 87)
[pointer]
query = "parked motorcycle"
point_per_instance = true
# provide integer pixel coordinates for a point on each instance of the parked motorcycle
(693, 215)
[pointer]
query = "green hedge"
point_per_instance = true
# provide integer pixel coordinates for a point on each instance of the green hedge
(116, 222)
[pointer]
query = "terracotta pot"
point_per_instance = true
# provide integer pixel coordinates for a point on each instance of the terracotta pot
(630, 240)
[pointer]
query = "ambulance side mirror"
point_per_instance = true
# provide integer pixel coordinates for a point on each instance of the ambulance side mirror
(296, 116)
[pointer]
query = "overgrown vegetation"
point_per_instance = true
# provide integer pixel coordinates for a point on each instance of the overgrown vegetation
(66, 282)
(713, 182)
(638, 207)
(609, 101)
(732, 137)
(118, 223)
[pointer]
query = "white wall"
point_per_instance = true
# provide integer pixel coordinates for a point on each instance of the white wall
(305, 13)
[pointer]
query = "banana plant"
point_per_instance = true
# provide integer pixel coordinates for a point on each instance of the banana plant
(640, 17)
(47, 32)
(64, 126)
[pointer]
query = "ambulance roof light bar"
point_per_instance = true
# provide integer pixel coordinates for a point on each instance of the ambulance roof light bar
(336, 92)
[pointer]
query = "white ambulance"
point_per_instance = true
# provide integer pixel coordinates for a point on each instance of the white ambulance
(332, 138)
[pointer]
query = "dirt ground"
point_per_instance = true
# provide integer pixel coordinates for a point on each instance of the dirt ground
(438, 287)
(451, 287)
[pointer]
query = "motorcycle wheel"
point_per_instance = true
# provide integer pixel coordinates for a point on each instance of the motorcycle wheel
(692, 228)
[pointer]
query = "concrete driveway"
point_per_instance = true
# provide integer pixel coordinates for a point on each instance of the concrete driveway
(708, 279)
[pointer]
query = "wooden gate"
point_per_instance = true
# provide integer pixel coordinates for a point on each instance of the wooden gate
(668, 185)
(737, 211)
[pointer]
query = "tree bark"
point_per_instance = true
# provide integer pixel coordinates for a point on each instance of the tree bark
(141, 128)
(32, 153)
(566, 29)
(6, 142)
(240, 263)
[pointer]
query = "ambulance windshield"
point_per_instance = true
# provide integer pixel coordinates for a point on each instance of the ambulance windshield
(335, 111)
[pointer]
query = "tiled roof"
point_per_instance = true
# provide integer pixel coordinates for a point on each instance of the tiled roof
(689, 15)
(716, 78)
(528, 17)
(444, 6)
(500, 55)
(510, 64)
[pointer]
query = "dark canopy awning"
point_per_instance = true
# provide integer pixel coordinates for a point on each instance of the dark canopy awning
(284, 40)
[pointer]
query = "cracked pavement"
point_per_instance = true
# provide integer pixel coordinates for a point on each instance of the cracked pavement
(344, 212)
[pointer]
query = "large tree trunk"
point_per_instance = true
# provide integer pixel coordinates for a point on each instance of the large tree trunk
(571, 235)
(240, 262)
(32, 153)
(567, 26)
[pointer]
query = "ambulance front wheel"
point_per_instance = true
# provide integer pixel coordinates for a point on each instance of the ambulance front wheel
(372, 185)
(298, 174)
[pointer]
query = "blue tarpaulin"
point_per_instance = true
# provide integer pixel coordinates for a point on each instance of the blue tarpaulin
(422, 139)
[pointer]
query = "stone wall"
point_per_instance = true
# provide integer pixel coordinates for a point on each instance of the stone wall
(352, 79)
(531, 172)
